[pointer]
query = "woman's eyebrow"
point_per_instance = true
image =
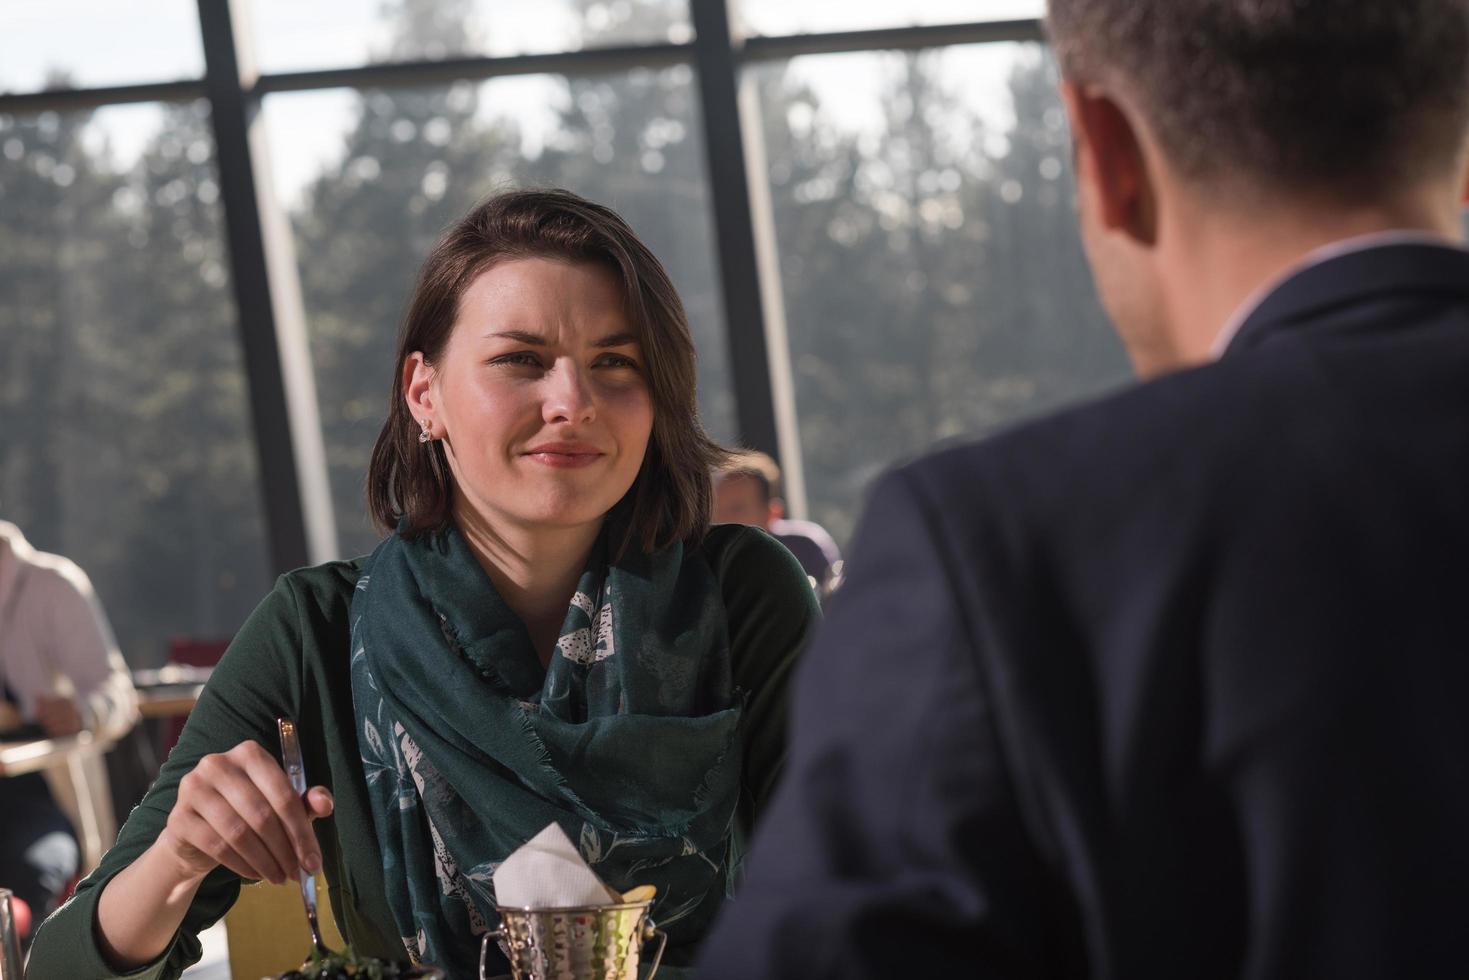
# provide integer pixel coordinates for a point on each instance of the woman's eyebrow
(519, 336)
(536, 340)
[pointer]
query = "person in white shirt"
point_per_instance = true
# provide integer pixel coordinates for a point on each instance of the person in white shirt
(60, 673)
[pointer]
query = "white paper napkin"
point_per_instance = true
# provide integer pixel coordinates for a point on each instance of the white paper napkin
(548, 872)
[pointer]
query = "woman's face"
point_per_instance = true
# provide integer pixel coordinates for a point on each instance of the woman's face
(539, 396)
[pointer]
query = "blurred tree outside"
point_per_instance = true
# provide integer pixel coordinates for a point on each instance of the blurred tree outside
(126, 445)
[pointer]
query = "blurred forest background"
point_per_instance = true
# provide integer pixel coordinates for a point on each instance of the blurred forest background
(933, 282)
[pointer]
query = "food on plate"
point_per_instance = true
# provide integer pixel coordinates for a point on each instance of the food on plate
(348, 965)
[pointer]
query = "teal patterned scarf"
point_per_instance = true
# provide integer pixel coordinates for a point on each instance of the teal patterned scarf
(628, 740)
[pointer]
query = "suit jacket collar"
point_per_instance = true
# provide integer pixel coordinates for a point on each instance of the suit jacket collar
(1353, 278)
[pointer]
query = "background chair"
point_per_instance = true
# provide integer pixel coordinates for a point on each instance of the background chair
(80, 787)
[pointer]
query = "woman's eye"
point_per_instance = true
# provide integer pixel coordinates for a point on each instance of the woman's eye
(519, 358)
(617, 361)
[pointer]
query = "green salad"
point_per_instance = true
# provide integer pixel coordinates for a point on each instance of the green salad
(348, 965)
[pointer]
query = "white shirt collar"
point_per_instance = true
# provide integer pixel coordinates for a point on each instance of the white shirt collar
(1334, 250)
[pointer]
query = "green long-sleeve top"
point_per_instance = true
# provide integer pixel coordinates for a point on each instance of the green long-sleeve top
(291, 659)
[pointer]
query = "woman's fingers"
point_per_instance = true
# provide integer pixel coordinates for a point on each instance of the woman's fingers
(195, 831)
(288, 809)
(230, 826)
(251, 807)
(238, 809)
(319, 802)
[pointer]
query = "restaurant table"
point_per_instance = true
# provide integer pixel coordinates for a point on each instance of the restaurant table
(165, 698)
(168, 702)
(169, 691)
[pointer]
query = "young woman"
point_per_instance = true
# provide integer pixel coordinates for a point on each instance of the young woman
(551, 631)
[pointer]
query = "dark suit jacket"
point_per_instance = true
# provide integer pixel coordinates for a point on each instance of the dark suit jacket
(1172, 685)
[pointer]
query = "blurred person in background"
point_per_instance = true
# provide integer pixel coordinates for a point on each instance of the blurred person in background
(747, 491)
(1173, 684)
(60, 674)
(550, 632)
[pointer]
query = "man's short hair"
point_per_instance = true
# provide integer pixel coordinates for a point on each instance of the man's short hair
(754, 466)
(1331, 95)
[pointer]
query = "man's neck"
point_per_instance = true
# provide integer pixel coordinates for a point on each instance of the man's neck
(1219, 266)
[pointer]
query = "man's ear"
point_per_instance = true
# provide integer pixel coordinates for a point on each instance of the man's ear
(1110, 162)
(776, 509)
(418, 390)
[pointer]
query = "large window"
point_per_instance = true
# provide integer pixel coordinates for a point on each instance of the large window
(933, 279)
(125, 445)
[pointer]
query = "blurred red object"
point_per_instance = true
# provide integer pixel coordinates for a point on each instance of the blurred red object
(21, 913)
(189, 652)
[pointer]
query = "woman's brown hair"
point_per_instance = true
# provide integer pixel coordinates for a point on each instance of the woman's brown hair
(408, 486)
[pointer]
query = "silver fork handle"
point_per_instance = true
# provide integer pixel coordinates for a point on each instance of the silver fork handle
(296, 773)
(308, 895)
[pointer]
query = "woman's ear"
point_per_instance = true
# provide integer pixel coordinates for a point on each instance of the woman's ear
(419, 391)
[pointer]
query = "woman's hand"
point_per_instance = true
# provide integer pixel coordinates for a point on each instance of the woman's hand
(238, 809)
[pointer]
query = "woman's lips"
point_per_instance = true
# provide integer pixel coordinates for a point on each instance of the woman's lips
(564, 457)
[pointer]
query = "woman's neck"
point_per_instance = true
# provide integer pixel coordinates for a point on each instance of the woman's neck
(534, 570)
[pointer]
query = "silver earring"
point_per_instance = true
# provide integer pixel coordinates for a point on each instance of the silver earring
(426, 435)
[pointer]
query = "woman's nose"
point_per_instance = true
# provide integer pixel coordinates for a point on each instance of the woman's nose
(568, 395)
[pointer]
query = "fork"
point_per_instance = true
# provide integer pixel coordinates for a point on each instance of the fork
(296, 772)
